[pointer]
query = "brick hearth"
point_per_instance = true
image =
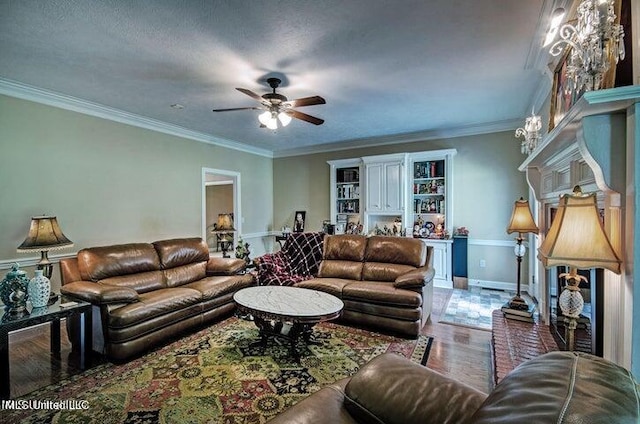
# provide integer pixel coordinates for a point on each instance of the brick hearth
(513, 342)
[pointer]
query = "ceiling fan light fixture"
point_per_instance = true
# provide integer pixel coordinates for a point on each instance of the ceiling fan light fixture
(284, 119)
(264, 118)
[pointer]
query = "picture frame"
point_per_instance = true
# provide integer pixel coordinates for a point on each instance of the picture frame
(561, 100)
(299, 220)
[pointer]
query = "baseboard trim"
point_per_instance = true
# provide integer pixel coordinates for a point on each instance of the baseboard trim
(497, 285)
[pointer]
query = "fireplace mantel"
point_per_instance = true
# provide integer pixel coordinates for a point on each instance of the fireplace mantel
(590, 146)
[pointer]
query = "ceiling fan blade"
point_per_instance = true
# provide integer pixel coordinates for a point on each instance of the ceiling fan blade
(236, 108)
(253, 95)
(305, 117)
(307, 101)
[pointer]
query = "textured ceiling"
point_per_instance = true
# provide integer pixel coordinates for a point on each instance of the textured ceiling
(384, 67)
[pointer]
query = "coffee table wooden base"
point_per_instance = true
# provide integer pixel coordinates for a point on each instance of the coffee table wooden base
(293, 333)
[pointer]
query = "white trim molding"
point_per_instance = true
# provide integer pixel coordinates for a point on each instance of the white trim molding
(33, 261)
(62, 101)
(497, 285)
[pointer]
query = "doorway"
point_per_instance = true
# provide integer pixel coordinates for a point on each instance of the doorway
(220, 195)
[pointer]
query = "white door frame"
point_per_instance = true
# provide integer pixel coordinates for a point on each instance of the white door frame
(237, 207)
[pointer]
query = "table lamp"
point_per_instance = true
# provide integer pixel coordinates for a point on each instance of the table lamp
(44, 235)
(576, 239)
(522, 223)
(224, 227)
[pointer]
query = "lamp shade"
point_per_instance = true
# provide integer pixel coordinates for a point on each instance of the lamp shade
(521, 219)
(44, 234)
(225, 223)
(576, 237)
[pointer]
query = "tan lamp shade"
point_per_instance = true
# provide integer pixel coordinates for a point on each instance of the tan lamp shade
(225, 223)
(521, 219)
(576, 237)
(44, 234)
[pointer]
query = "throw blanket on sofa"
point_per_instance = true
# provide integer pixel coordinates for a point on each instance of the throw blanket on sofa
(298, 260)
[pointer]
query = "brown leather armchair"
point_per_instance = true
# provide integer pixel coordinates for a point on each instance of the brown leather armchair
(146, 293)
(558, 387)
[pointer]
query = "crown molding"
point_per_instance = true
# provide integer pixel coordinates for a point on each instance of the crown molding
(50, 98)
(469, 130)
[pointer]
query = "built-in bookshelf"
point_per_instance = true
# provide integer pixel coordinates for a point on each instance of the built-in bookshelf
(429, 197)
(346, 196)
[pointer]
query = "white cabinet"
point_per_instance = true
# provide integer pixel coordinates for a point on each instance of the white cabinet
(385, 183)
(442, 263)
(384, 187)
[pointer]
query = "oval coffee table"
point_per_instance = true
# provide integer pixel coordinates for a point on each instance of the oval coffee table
(287, 312)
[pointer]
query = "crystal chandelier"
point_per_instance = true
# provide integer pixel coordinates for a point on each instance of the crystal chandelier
(530, 132)
(595, 40)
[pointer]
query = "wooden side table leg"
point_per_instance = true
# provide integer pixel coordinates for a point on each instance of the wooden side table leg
(55, 338)
(5, 384)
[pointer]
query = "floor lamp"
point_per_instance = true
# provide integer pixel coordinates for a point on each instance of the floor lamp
(576, 239)
(522, 223)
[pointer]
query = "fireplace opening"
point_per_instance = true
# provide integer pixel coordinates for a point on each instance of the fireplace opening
(588, 335)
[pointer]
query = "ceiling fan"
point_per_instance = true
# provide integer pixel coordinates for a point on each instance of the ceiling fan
(278, 108)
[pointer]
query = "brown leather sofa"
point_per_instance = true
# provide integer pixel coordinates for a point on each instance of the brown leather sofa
(146, 293)
(557, 387)
(385, 282)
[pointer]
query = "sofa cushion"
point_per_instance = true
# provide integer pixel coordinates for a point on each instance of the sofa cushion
(218, 286)
(334, 268)
(332, 286)
(396, 250)
(98, 263)
(141, 282)
(185, 274)
(344, 247)
(153, 304)
(563, 387)
(182, 251)
(378, 271)
(381, 293)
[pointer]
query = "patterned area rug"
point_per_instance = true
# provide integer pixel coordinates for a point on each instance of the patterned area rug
(473, 307)
(214, 376)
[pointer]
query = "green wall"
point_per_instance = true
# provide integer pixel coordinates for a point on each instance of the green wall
(486, 183)
(109, 182)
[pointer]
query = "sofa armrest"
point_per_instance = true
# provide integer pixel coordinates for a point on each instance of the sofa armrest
(225, 266)
(378, 394)
(99, 294)
(416, 278)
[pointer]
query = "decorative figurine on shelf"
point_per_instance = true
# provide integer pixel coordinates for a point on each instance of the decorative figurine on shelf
(13, 290)
(242, 250)
(439, 231)
(462, 232)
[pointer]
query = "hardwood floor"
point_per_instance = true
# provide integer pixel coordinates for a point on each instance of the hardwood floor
(459, 352)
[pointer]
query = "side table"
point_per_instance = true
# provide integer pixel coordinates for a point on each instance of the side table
(282, 239)
(52, 314)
